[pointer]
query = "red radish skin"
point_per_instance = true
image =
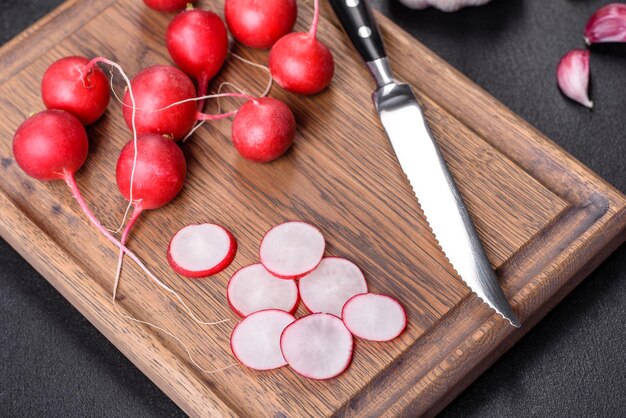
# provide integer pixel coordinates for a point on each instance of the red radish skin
(317, 346)
(155, 89)
(255, 341)
(167, 6)
(198, 43)
(71, 84)
(374, 317)
(300, 63)
(160, 171)
(50, 144)
(259, 24)
(328, 287)
(252, 289)
(292, 249)
(202, 250)
(263, 129)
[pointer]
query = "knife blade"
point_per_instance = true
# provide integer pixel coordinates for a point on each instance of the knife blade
(419, 156)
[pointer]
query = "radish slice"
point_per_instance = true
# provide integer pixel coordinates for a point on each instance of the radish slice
(292, 249)
(255, 341)
(374, 317)
(318, 346)
(328, 287)
(253, 289)
(201, 250)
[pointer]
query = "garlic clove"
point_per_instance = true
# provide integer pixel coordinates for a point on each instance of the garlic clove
(607, 24)
(572, 76)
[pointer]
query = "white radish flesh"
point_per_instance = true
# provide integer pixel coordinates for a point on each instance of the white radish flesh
(253, 289)
(255, 341)
(317, 346)
(292, 249)
(374, 317)
(201, 250)
(328, 287)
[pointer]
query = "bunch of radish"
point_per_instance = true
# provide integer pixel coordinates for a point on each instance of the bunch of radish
(151, 171)
(263, 128)
(292, 268)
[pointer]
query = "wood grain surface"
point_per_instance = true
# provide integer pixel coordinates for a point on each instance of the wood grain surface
(546, 221)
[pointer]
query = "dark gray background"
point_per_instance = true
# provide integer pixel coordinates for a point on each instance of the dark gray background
(54, 363)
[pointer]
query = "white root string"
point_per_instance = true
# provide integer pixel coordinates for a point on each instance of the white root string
(118, 272)
(133, 125)
(242, 91)
(71, 182)
(185, 346)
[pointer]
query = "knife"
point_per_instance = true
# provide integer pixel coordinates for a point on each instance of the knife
(421, 161)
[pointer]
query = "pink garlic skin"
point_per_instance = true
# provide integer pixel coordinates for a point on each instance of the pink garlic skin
(444, 5)
(572, 76)
(607, 24)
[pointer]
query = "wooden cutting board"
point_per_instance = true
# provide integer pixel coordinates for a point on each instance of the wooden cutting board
(546, 221)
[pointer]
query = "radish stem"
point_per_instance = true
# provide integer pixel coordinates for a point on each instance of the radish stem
(71, 182)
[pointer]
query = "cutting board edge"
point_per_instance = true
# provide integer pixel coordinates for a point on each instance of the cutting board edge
(114, 328)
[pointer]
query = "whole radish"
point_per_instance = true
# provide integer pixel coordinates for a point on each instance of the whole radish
(73, 85)
(155, 89)
(159, 175)
(263, 129)
(50, 145)
(259, 24)
(198, 43)
(300, 63)
(167, 6)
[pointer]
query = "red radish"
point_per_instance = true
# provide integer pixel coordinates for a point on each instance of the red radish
(318, 346)
(156, 88)
(300, 63)
(374, 317)
(253, 289)
(263, 129)
(159, 173)
(259, 24)
(255, 341)
(168, 6)
(201, 250)
(292, 249)
(50, 145)
(198, 43)
(73, 85)
(328, 287)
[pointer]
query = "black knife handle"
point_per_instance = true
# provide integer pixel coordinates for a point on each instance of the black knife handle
(360, 25)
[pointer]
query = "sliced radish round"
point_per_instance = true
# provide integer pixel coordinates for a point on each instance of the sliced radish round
(253, 289)
(292, 249)
(201, 250)
(331, 284)
(374, 317)
(318, 346)
(255, 340)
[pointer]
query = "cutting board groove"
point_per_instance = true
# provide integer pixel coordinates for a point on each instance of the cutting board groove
(545, 220)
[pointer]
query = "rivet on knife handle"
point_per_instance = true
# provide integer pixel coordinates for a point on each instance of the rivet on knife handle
(360, 25)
